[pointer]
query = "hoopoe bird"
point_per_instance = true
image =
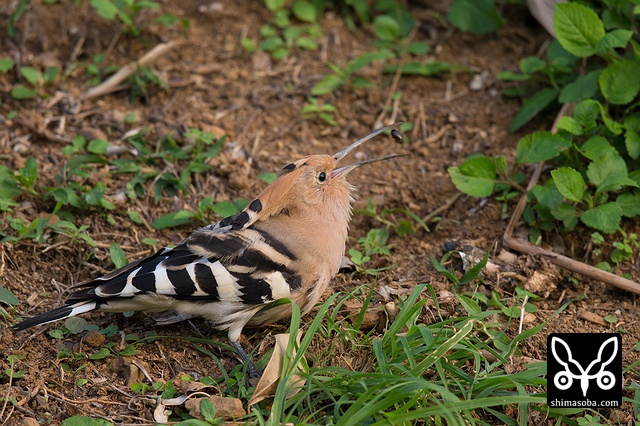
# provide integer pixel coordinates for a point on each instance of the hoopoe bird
(287, 243)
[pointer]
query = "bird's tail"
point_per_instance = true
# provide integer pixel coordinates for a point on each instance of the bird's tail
(57, 314)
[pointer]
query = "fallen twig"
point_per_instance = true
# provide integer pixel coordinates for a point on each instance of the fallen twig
(113, 82)
(526, 247)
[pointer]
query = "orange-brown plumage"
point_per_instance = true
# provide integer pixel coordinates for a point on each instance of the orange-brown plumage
(288, 243)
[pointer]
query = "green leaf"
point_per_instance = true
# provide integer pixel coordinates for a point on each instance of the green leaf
(475, 176)
(615, 39)
(6, 64)
(386, 28)
(569, 124)
(105, 8)
(225, 208)
(540, 146)
(306, 43)
(135, 217)
(85, 421)
(50, 75)
(605, 217)
(327, 84)
(475, 16)
(366, 59)
(418, 48)
(271, 43)
(268, 177)
(597, 146)
(567, 214)
(548, 195)
(97, 146)
(29, 173)
(430, 67)
(101, 354)
(304, 11)
(620, 81)
(583, 87)
(21, 92)
(632, 136)
(532, 107)
(117, 255)
(609, 173)
(471, 306)
(274, 5)
(75, 325)
(32, 75)
(586, 113)
(578, 28)
(173, 219)
(7, 297)
(532, 64)
(569, 182)
(629, 203)
(208, 410)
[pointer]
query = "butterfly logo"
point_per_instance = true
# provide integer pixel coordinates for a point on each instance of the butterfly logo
(573, 370)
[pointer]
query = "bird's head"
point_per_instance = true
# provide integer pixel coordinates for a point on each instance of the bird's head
(314, 182)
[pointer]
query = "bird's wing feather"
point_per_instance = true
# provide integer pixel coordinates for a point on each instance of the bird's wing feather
(215, 263)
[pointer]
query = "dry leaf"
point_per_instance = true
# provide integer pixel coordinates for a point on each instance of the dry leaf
(268, 383)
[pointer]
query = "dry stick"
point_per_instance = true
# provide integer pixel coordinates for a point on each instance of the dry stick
(526, 247)
(111, 84)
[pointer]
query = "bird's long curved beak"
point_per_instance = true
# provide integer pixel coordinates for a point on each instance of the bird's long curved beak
(344, 152)
(346, 169)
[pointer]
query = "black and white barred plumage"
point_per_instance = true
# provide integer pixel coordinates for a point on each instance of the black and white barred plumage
(288, 243)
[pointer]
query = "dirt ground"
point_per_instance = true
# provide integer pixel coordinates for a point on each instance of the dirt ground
(215, 85)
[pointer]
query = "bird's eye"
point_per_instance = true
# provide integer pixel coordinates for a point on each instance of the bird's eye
(322, 176)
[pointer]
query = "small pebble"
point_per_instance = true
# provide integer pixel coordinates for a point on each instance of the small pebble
(397, 135)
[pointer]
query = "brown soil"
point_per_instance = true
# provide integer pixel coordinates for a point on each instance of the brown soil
(217, 86)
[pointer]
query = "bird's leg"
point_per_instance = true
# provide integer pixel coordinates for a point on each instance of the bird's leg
(254, 373)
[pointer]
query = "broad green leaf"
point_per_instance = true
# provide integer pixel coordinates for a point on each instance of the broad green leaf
(105, 8)
(306, 43)
(135, 217)
(475, 176)
(101, 354)
(620, 81)
(583, 87)
(532, 64)
(367, 58)
(328, 84)
(567, 214)
(597, 146)
(559, 56)
(605, 217)
(97, 146)
(75, 325)
(578, 28)
(225, 208)
(569, 124)
(475, 16)
(548, 195)
(29, 173)
(532, 107)
(629, 203)
(569, 182)
(32, 75)
(471, 306)
(8, 297)
(613, 126)
(21, 92)
(386, 28)
(6, 64)
(274, 5)
(208, 410)
(269, 177)
(271, 43)
(304, 11)
(615, 39)
(540, 146)
(117, 256)
(632, 142)
(173, 219)
(418, 48)
(609, 172)
(586, 113)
